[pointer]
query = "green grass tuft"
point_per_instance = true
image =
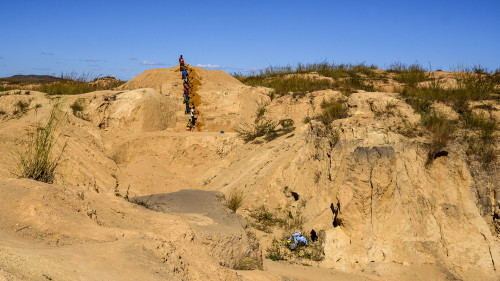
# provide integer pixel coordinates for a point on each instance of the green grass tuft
(441, 130)
(274, 252)
(21, 107)
(37, 161)
(332, 110)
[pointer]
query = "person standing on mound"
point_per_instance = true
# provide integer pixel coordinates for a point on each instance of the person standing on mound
(193, 119)
(186, 101)
(184, 74)
(181, 63)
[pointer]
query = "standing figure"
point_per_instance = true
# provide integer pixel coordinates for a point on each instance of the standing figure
(186, 101)
(193, 119)
(181, 63)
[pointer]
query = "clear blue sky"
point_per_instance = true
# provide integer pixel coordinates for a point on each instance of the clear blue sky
(124, 38)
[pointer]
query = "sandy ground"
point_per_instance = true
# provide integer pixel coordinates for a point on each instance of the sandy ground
(397, 219)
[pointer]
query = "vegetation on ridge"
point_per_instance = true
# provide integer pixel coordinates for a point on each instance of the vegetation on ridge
(284, 79)
(473, 84)
(67, 84)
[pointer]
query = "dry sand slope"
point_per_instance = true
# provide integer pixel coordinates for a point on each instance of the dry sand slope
(384, 214)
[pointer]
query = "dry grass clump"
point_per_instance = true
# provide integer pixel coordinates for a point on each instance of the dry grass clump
(332, 110)
(292, 223)
(441, 130)
(275, 251)
(261, 127)
(247, 263)
(77, 107)
(313, 251)
(235, 200)
(482, 141)
(264, 220)
(21, 107)
(264, 127)
(37, 161)
(411, 75)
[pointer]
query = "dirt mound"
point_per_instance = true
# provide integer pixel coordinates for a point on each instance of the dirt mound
(142, 110)
(167, 80)
(222, 101)
(163, 80)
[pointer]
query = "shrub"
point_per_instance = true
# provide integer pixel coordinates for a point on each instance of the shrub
(78, 106)
(410, 75)
(291, 223)
(332, 110)
(246, 263)
(274, 251)
(235, 200)
(409, 130)
(482, 144)
(264, 220)
(261, 126)
(313, 251)
(441, 130)
(21, 107)
(37, 160)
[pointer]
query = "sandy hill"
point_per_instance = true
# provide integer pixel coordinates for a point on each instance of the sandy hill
(363, 186)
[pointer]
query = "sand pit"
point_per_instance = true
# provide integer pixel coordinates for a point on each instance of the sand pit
(362, 184)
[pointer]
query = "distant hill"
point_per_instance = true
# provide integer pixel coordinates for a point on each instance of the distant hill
(31, 78)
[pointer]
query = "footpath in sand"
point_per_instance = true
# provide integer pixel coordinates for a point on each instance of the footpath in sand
(383, 213)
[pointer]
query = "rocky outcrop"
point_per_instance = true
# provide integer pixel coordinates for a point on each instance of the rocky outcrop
(394, 208)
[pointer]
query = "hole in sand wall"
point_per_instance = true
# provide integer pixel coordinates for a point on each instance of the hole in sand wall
(440, 154)
(335, 210)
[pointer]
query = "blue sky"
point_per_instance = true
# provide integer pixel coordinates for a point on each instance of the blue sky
(124, 38)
